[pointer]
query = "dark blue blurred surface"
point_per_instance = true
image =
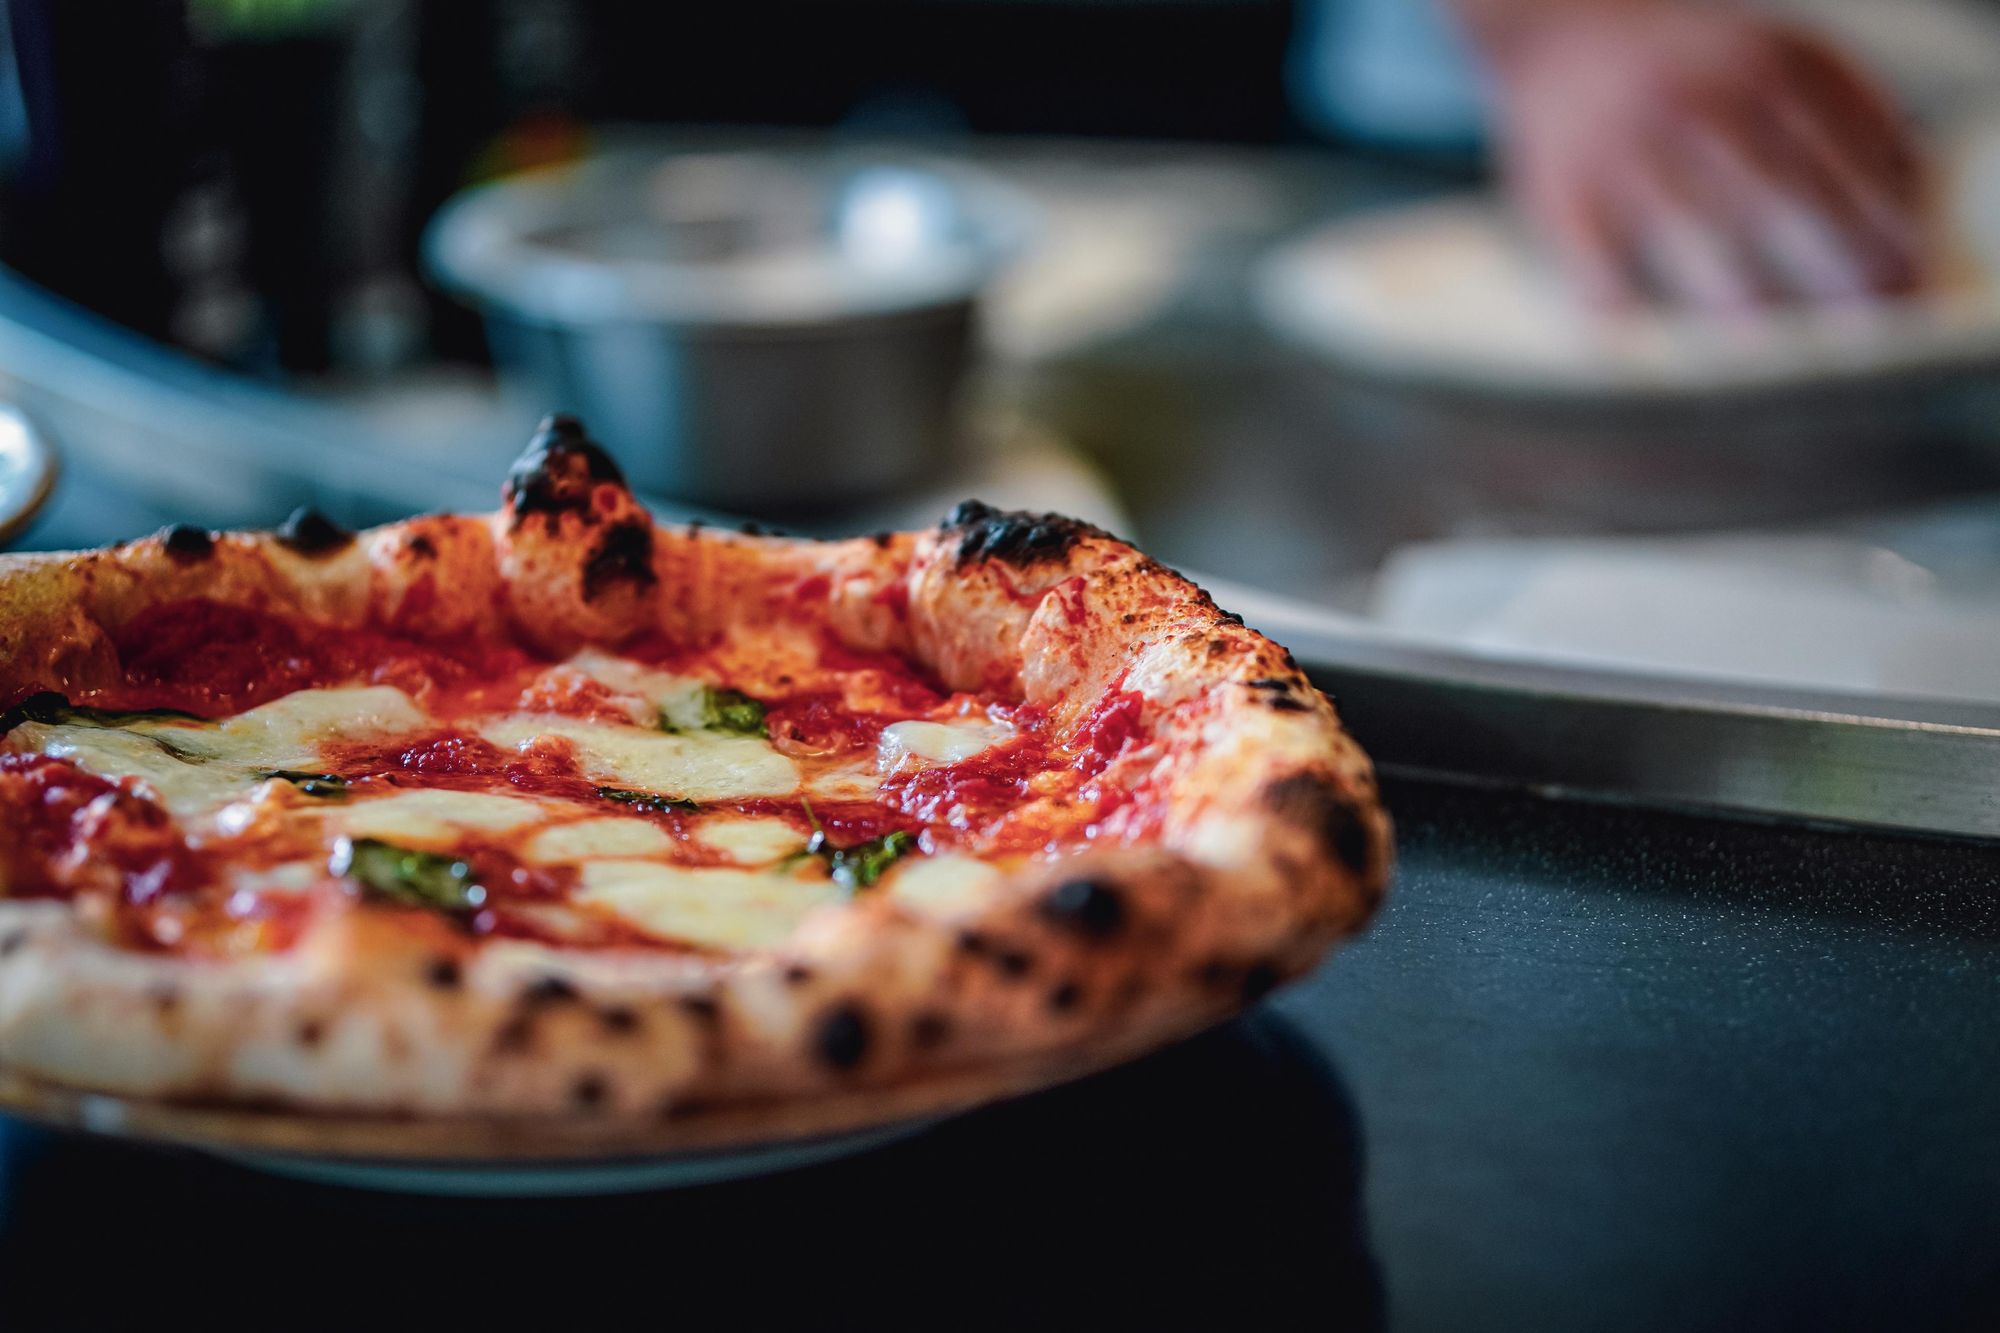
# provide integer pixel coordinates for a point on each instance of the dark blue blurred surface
(1623, 1070)
(1592, 1069)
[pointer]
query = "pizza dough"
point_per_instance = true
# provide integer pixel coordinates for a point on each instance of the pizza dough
(558, 813)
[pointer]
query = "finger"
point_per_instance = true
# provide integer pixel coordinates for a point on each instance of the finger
(1848, 125)
(1879, 221)
(1692, 251)
(1877, 134)
(1546, 166)
(1589, 247)
(1814, 238)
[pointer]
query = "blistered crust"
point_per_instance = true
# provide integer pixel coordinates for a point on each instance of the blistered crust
(1261, 843)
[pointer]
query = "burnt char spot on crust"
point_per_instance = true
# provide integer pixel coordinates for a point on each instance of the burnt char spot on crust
(444, 973)
(929, 1030)
(311, 1033)
(516, 1035)
(589, 1091)
(843, 1035)
(1011, 536)
(1259, 980)
(1065, 997)
(619, 1020)
(548, 990)
(311, 533)
(1128, 992)
(701, 1008)
(422, 547)
(184, 543)
(1312, 801)
(1089, 907)
(1014, 964)
(1253, 981)
(557, 470)
(624, 555)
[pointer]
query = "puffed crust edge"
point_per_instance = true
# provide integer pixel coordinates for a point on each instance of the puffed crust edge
(1269, 846)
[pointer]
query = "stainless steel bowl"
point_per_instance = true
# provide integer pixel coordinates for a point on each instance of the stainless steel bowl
(27, 472)
(756, 330)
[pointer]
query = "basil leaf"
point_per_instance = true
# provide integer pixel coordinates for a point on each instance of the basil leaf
(646, 800)
(55, 709)
(104, 717)
(858, 867)
(713, 708)
(328, 786)
(46, 707)
(410, 878)
(735, 711)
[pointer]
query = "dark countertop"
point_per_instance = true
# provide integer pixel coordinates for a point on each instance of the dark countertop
(1592, 1069)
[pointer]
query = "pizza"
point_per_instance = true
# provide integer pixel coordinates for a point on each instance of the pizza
(561, 814)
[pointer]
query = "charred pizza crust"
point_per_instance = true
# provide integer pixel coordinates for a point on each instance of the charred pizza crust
(1270, 843)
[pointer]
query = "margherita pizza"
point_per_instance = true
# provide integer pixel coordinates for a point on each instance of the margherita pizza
(561, 813)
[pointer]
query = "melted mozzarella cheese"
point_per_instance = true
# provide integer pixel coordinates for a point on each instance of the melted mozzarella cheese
(907, 744)
(433, 815)
(695, 766)
(184, 788)
(287, 732)
(681, 702)
(198, 767)
(751, 841)
(942, 885)
(719, 907)
(610, 836)
(853, 781)
(287, 877)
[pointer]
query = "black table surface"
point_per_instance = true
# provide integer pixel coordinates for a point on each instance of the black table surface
(1592, 1068)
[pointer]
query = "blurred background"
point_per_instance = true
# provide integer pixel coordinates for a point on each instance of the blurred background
(1644, 335)
(1598, 395)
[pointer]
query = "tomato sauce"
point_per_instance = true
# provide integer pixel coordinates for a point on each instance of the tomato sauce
(1108, 729)
(977, 793)
(910, 690)
(212, 660)
(65, 832)
(665, 653)
(822, 724)
(572, 695)
(895, 596)
(70, 831)
(462, 762)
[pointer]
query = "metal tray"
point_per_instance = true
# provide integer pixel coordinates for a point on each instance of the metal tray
(1875, 761)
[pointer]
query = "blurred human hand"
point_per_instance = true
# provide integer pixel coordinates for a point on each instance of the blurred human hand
(1695, 154)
